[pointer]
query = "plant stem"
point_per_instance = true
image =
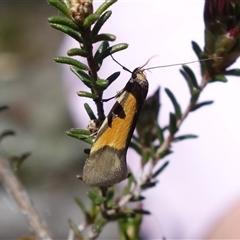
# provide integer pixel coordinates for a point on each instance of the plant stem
(14, 186)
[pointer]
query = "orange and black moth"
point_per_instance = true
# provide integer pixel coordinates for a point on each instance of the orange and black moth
(106, 164)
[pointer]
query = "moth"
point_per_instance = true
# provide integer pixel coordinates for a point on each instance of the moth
(106, 164)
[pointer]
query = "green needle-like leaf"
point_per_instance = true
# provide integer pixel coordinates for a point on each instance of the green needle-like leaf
(103, 37)
(81, 134)
(115, 48)
(160, 135)
(137, 198)
(191, 76)
(103, 7)
(218, 78)
(141, 211)
(84, 77)
(176, 106)
(63, 21)
(61, 7)
(75, 229)
(136, 147)
(188, 80)
(71, 61)
(81, 205)
(199, 105)
(89, 111)
(98, 25)
(183, 137)
(164, 153)
(95, 198)
(160, 169)
(196, 49)
(90, 19)
(87, 94)
(113, 77)
(69, 31)
(103, 46)
(77, 52)
(6, 133)
(149, 185)
(97, 227)
(2, 108)
(172, 124)
(101, 83)
(232, 72)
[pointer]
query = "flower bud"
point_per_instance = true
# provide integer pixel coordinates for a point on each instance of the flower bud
(80, 9)
(222, 32)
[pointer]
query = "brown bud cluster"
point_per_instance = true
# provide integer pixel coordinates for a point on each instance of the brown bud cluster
(80, 9)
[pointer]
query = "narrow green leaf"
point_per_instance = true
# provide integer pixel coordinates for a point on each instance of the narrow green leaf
(113, 77)
(195, 96)
(104, 6)
(69, 31)
(96, 199)
(84, 77)
(191, 76)
(2, 108)
(160, 169)
(136, 147)
(83, 137)
(79, 131)
(90, 19)
(196, 49)
(137, 198)
(101, 83)
(87, 94)
(89, 111)
(61, 7)
(63, 21)
(103, 37)
(176, 106)
(127, 189)
(164, 153)
(218, 78)
(115, 48)
(148, 185)
(103, 46)
(188, 80)
(17, 161)
(142, 211)
(75, 229)
(97, 227)
(183, 137)
(172, 124)
(232, 72)
(98, 25)
(206, 66)
(145, 157)
(77, 52)
(81, 205)
(199, 105)
(6, 133)
(129, 213)
(71, 61)
(110, 193)
(160, 135)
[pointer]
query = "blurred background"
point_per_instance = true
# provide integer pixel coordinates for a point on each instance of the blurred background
(203, 177)
(30, 85)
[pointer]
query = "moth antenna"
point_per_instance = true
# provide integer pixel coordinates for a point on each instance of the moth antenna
(124, 68)
(147, 62)
(176, 64)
